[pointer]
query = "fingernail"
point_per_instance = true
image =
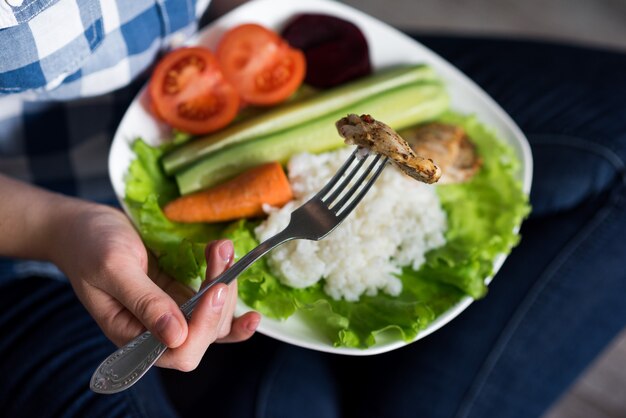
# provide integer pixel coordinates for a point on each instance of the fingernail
(218, 299)
(225, 251)
(168, 330)
(253, 324)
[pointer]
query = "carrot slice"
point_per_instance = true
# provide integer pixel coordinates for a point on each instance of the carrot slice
(241, 197)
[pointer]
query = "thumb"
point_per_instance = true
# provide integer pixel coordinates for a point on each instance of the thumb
(154, 308)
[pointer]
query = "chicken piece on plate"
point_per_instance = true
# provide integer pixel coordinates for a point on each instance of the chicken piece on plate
(366, 132)
(450, 146)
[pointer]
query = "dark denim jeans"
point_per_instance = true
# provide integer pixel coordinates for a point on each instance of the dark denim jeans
(556, 303)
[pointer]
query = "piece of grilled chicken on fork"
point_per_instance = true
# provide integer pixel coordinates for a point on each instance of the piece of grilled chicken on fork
(365, 131)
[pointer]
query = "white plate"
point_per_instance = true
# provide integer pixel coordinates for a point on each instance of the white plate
(387, 47)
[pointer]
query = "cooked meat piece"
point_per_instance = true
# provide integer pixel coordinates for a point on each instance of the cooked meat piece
(366, 132)
(438, 141)
(450, 146)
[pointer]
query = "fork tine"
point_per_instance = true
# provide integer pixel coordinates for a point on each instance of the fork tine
(333, 181)
(345, 181)
(345, 210)
(352, 189)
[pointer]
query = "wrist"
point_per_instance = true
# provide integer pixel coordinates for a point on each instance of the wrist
(64, 232)
(31, 218)
(56, 220)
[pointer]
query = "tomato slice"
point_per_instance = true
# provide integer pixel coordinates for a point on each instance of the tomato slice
(189, 92)
(260, 64)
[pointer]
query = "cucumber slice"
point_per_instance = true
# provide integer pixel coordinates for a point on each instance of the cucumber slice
(290, 115)
(399, 108)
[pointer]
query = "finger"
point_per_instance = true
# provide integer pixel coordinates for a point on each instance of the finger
(229, 311)
(117, 323)
(224, 250)
(208, 316)
(203, 328)
(242, 328)
(175, 289)
(158, 312)
(219, 255)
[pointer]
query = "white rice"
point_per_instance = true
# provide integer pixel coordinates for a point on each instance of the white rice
(397, 222)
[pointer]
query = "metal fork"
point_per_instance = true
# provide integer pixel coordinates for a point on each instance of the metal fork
(312, 221)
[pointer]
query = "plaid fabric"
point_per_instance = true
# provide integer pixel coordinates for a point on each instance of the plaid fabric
(68, 70)
(71, 48)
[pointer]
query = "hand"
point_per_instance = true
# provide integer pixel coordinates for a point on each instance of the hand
(117, 281)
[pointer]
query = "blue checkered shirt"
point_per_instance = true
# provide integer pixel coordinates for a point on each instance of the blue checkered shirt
(68, 69)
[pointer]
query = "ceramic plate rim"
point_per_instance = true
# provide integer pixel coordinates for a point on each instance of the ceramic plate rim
(459, 85)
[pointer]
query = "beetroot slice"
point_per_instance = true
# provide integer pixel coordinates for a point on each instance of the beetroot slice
(336, 50)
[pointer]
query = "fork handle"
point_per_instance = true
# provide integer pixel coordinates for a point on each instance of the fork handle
(236, 269)
(128, 364)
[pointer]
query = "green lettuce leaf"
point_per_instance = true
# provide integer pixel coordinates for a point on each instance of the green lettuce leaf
(179, 248)
(483, 215)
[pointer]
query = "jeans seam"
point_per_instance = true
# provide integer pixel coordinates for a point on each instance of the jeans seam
(550, 273)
